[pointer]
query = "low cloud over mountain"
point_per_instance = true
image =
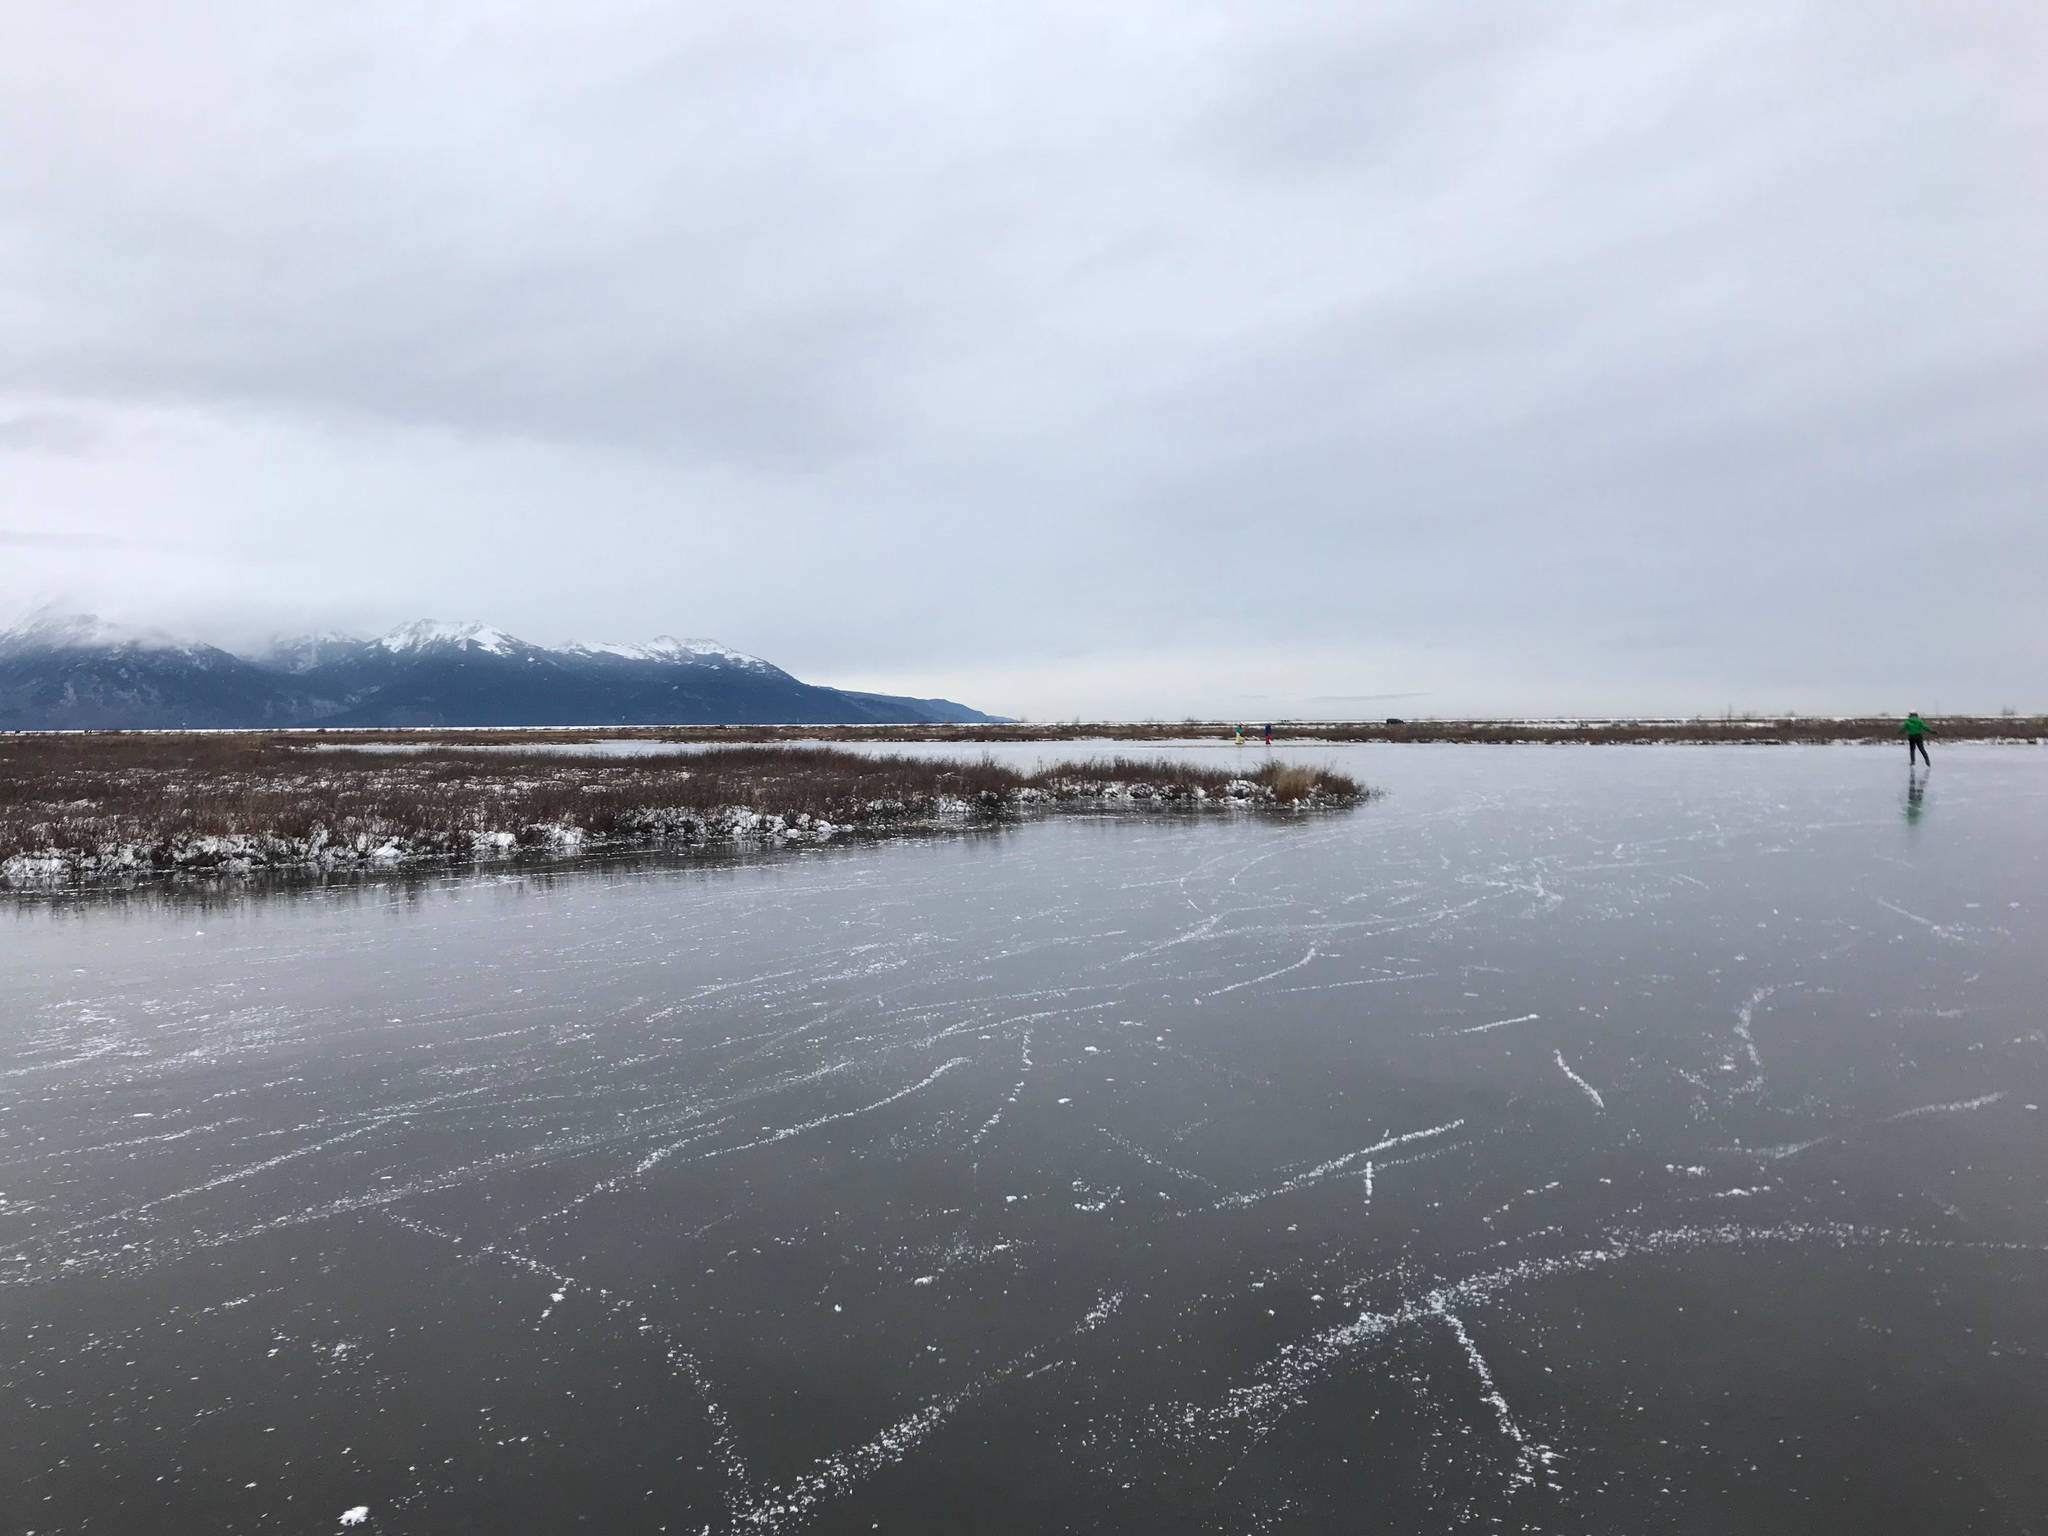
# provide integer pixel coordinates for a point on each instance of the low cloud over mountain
(79, 673)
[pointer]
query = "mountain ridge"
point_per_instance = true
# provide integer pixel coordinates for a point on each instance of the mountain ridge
(75, 671)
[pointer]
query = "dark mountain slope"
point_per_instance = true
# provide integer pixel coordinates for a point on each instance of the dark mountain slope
(77, 673)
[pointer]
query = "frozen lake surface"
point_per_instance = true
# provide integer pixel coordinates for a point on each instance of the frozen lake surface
(1589, 1140)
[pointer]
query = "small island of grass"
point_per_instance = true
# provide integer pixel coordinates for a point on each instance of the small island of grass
(91, 807)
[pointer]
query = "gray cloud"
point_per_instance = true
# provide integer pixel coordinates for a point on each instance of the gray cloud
(58, 432)
(1542, 357)
(14, 539)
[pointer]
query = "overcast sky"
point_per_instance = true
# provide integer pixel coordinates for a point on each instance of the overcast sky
(1067, 359)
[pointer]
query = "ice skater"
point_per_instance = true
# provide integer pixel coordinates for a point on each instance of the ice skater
(1269, 737)
(1915, 731)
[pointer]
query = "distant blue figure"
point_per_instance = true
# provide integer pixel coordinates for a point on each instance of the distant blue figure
(1269, 733)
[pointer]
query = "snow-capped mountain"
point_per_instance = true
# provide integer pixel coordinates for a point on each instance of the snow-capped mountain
(669, 648)
(424, 635)
(76, 670)
(70, 671)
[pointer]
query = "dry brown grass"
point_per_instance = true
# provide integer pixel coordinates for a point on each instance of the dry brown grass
(1290, 783)
(93, 793)
(1177, 777)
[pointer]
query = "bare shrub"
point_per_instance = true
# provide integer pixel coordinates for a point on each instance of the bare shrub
(1291, 782)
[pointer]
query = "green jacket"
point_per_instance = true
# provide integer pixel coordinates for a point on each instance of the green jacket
(1914, 726)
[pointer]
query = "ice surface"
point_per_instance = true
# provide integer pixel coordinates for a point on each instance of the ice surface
(1571, 1141)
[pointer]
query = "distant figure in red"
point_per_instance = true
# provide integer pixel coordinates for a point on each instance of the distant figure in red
(1269, 735)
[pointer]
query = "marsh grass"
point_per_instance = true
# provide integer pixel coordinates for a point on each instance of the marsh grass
(1291, 783)
(92, 793)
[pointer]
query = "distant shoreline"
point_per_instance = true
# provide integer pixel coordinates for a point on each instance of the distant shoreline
(1777, 730)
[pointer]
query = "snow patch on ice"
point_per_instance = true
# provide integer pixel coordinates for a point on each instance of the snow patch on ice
(837, 1474)
(1336, 1165)
(1480, 1029)
(1743, 1018)
(1528, 1454)
(1584, 1087)
(1960, 1106)
(1269, 976)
